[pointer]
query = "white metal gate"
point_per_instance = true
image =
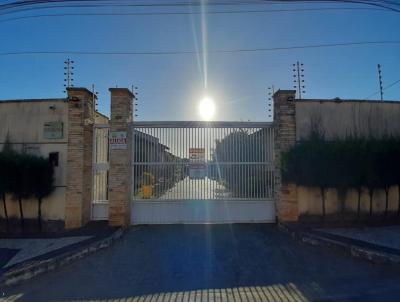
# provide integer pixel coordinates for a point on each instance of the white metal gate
(101, 166)
(202, 172)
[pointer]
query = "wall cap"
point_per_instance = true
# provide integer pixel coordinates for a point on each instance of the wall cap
(123, 90)
(346, 101)
(81, 89)
(284, 92)
(33, 100)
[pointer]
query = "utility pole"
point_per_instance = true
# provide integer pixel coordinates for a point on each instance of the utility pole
(94, 97)
(135, 93)
(380, 81)
(68, 74)
(298, 75)
(271, 92)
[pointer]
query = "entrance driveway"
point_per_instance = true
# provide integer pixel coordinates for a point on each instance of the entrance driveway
(209, 262)
(196, 189)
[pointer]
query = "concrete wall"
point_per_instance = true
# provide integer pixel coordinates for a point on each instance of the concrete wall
(24, 121)
(342, 118)
(338, 119)
(310, 201)
(101, 119)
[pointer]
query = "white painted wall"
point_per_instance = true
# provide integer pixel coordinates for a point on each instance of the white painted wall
(24, 120)
(341, 118)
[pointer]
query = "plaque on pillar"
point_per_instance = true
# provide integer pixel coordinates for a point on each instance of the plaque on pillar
(118, 140)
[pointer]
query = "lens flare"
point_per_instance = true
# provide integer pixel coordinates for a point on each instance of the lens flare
(207, 108)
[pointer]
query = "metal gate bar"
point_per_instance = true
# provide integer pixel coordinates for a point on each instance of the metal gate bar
(203, 161)
(100, 172)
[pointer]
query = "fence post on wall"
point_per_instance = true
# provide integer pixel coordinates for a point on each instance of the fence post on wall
(285, 137)
(78, 195)
(120, 172)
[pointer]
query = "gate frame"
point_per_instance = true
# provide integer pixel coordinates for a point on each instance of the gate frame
(178, 205)
(99, 206)
(121, 118)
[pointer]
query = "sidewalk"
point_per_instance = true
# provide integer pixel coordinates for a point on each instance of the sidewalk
(380, 244)
(23, 257)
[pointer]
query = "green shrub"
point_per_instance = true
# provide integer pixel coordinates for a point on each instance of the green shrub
(25, 176)
(147, 179)
(343, 164)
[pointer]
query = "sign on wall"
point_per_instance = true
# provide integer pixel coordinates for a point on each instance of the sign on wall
(197, 167)
(197, 154)
(53, 130)
(118, 140)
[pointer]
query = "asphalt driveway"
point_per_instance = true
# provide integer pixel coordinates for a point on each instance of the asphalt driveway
(213, 262)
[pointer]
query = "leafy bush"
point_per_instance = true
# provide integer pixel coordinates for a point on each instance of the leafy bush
(4, 182)
(239, 147)
(25, 176)
(343, 164)
(42, 181)
(147, 179)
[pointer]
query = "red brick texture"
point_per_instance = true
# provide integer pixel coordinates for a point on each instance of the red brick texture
(120, 173)
(79, 157)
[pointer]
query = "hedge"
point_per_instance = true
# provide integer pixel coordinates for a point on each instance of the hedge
(25, 176)
(343, 164)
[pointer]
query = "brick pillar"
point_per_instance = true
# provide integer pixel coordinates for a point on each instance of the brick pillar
(120, 173)
(79, 157)
(285, 137)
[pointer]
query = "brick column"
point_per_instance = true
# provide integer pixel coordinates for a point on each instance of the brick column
(285, 137)
(120, 173)
(79, 158)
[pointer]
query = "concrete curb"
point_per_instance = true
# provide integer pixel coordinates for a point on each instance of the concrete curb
(32, 269)
(374, 255)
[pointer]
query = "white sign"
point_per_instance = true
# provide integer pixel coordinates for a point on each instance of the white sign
(197, 154)
(197, 167)
(118, 140)
(53, 130)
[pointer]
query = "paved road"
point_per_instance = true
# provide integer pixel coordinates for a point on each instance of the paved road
(211, 263)
(388, 236)
(187, 188)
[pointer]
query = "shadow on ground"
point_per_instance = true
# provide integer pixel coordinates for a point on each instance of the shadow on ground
(247, 260)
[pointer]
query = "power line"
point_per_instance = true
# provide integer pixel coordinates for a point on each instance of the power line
(384, 88)
(21, 6)
(38, 5)
(191, 52)
(271, 11)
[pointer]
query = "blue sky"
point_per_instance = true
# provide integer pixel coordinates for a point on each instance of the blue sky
(170, 86)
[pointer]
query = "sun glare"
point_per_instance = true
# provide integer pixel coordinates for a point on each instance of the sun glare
(206, 108)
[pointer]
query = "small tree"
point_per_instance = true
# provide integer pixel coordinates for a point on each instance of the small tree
(307, 164)
(340, 170)
(42, 179)
(4, 183)
(21, 185)
(397, 172)
(357, 150)
(371, 170)
(386, 159)
(5, 169)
